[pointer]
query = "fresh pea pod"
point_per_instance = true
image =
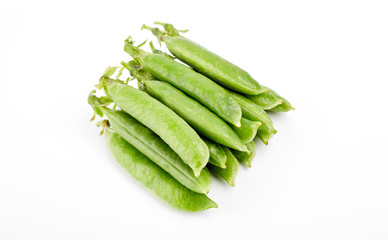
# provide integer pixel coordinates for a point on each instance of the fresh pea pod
(248, 130)
(253, 112)
(244, 157)
(230, 172)
(197, 116)
(157, 150)
(272, 101)
(217, 154)
(153, 147)
(194, 84)
(206, 62)
(154, 178)
(163, 121)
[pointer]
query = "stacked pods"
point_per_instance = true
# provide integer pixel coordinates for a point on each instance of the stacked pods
(183, 121)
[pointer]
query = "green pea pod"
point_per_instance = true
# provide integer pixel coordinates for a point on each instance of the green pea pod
(248, 130)
(230, 172)
(163, 121)
(244, 157)
(154, 178)
(272, 101)
(150, 144)
(206, 62)
(253, 112)
(194, 84)
(217, 154)
(197, 116)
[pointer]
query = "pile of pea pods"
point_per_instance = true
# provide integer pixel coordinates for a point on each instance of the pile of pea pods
(183, 121)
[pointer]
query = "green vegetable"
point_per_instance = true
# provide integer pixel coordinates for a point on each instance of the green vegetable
(247, 131)
(253, 112)
(217, 154)
(206, 62)
(153, 147)
(154, 178)
(246, 158)
(194, 84)
(197, 116)
(163, 121)
(272, 101)
(230, 172)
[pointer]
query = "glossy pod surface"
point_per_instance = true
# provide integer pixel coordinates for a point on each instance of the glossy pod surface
(164, 122)
(194, 84)
(253, 112)
(248, 130)
(272, 101)
(215, 67)
(217, 154)
(150, 144)
(154, 178)
(197, 116)
(246, 158)
(230, 172)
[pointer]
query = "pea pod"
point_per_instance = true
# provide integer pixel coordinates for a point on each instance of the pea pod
(206, 62)
(217, 154)
(230, 172)
(154, 178)
(253, 112)
(272, 101)
(244, 157)
(153, 147)
(248, 130)
(194, 84)
(161, 120)
(197, 116)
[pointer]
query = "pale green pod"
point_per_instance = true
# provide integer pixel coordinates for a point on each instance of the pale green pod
(196, 115)
(230, 172)
(217, 154)
(246, 158)
(253, 112)
(248, 130)
(154, 178)
(151, 145)
(163, 121)
(206, 62)
(271, 101)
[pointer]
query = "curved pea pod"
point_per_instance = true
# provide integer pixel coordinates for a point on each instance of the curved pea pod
(197, 116)
(217, 154)
(230, 172)
(194, 84)
(150, 144)
(154, 178)
(248, 130)
(206, 62)
(253, 112)
(272, 101)
(171, 128)
(244, 157)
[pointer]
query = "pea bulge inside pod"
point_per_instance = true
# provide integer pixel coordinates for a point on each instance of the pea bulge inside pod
(164, 122)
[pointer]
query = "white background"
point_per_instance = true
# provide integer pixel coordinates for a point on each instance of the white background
(323, 176)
